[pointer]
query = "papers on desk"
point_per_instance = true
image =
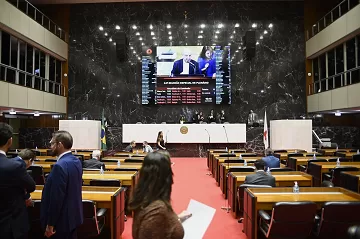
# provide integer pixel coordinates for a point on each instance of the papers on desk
(202, 215)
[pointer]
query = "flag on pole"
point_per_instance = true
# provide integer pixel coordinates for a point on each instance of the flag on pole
(103, 137)
(266, 135)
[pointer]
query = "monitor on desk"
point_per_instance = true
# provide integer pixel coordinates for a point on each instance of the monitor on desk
(186, 75)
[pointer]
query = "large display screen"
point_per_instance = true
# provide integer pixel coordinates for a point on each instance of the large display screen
(186, 75)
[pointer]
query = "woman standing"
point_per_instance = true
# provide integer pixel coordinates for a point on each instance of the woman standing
(160, 143)
(154, 217)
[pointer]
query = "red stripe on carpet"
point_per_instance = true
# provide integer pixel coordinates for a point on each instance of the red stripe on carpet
(191, 182)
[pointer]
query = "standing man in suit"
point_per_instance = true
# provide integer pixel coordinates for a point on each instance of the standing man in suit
(61, 203)
(15, 182)
(260, 177)
(94, 163)
(185, 66)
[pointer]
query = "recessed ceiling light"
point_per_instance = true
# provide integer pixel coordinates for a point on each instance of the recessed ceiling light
(154, 38)
(134, 27)
(234, 32)
(170, 37)
(169, 33)
(110, 40)
(265, 32)
(270, 25)
(168, 26)
(134, 52)
(237, 51)
(186, 31)
(186, 25)
(151, 27)
(131, 47)
(237, 25)
(231, 37)
(241, 60)
(257, 43)
(137, 34)
(254, 25)
(200, 36)
(117, 27)
(201, 31)
(140, 39)
(216, 37)
(106, 34)
(220, 25)
(155, 43)
(152, 33)
(142, 44)
(261, 37)
(217, 32)
(229, 43)
(114, 43)
(202, 26)
(101, 28)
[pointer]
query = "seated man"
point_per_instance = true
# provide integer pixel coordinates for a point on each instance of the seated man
(260, 177)
(270, 161)
(146, 147)
(95, 161)
(130, 147)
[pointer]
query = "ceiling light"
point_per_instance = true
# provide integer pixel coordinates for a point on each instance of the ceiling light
(101, 28)
(231, 37)
(254, 25)
(134, 52)
(336, 113)
(36, 114)
(262, 91)
(216, 37)
(201, 31)
(114, 43)
(261, 37)
(213, 44)
(139, 58)
(220, 25)
(257, 43)
(217, 32)
(140, 39)
(110, 40)
(168, 26)
(186, 25)
(170, 37)
(229, 43)
(142, 44)
(151, 27)
(137, 34)
(152, 33)
(265, 32)
(270, 25)
(134, 27)
(200, 36)
(186, 31)
(237, 25)
(131, 47)
(237, 51)
(117, 27)
(155, 44)
(241, 60)
(169, 33)
(12, 112)
(234, 32)
(154, 38)
(202, 26)
(106, 34)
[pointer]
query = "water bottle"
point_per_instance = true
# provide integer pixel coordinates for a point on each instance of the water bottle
(129, 155)
(296, 151)
(240, 157)
(33, 162)
(101, 170)
(296, 187)
(357, 152)
(268, 171)
(245, 163)
(75, 151)
(118, 163)
(16, 151)
(314, 157)
(337, 148)
(137, 151)
(36, 149)
(226, 149)
(338, 162)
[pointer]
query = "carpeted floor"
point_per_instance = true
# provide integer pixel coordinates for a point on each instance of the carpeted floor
(191, 182)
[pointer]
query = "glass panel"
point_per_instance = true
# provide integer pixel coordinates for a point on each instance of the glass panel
(5, 48)
(323, 85)
(331, 62)
(14, 52)
(316, 69)
(22, 60)
(37, 62)
(315, 29)
(13, 2)
(39, 17)
(52, 65)
(353, 3)
(330, 83)
(328, 19)
(37, 83)
(335, 14)
(322, 63)
(338, 81)
(22, 79)
(2, 73)
(339, 59)
(29, 59)
(322, 24)
(355, 76)
(51, 87)
(29, 81)
(46, 22)
(344, 8)
(58, 71)
(350, 54)
(22, 6)
(316, 87)
(31, 11)
(42, 64)
(10, 75)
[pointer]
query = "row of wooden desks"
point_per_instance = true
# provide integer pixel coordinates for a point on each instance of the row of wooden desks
(295, 162)
(283, 179)
(111, 198)
(256, 199)
(350, 180)
(119, 158)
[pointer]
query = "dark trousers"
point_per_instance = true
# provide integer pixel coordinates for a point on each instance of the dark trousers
(65, 235)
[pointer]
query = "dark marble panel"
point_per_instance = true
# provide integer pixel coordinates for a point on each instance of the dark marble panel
(35, 137)
(345, 137)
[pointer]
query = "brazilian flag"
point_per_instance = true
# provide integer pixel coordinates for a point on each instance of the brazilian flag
(103, 137)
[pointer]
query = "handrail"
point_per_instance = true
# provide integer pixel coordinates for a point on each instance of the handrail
(62, 88)
(317, 25)
(317, 137)
(57, 31)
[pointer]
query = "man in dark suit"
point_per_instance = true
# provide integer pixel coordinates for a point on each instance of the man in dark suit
(15, 182)
(130, 147)
(185, 66)
(61, 203)
(94, 163)
(260, 177)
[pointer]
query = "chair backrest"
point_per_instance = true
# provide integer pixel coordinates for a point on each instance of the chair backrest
(315, 160)
(248, 155)
(90, 169)
(336, 174)
(36, 230)
(219, 151)
(11, 155)
(109, 160)
(239, 150)
(339, 216)
(280, 151)
(79, 156)
(280, 169)
(50, 160)
(105, 183)
(233, 161)
(37, 172)
(242, 169)
(295, 155)
(133, 160)
(292, 220)
(227, 155)
(327, 184)
(356, 157)
(340, 159)
(90, 223)
(354, 232)
(353, 150)
(241, 190)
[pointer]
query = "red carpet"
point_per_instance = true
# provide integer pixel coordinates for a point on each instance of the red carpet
(191, 182)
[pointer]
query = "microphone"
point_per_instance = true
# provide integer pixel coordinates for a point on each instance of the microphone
(209, 135)
(227, 139)
(193, 66)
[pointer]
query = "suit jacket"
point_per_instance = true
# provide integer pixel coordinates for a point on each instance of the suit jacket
(27, 195)
(128, 149)
(61, 202)
(93, 163)
(178, 67)
(14, 182)
(260, 178)
(271, 162)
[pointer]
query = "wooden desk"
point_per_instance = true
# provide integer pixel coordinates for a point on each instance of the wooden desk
(140, 153)
(318, 168)
(331, 152)
(126, 179)
(256, 199)
(285, 156)
(347, 155)
(283, 179)
(211, 151)
(111, 198)
(295, 162)
(350, 180)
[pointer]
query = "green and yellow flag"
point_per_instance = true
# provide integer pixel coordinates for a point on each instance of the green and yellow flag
(103, 137)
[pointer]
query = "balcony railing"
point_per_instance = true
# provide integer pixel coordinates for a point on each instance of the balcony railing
(39, 17)
(336, 81)
(331, 17)
(15, 76)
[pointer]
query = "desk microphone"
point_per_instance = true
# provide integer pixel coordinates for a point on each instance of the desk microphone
(209, 136)
(209, 173)
(227, 207)
(193, 66)
(227, 139)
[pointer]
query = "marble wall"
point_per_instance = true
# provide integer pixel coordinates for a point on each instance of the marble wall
(274, 79)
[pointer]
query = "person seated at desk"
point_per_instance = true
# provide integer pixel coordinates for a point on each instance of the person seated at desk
(185, 66)
(270, 160)
(154, 216)
(94, 163)
(260, 177)
(146, 147)
(130, 147)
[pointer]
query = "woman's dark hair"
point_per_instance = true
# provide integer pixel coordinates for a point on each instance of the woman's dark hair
(204, 50)
(155, 181)
(159, 137)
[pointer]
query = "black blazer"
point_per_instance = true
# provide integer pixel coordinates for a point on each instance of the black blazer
(128, 149)
(15, 182)
(260, 178)
(93, 163)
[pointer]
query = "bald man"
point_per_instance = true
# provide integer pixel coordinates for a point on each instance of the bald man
(185, 66)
